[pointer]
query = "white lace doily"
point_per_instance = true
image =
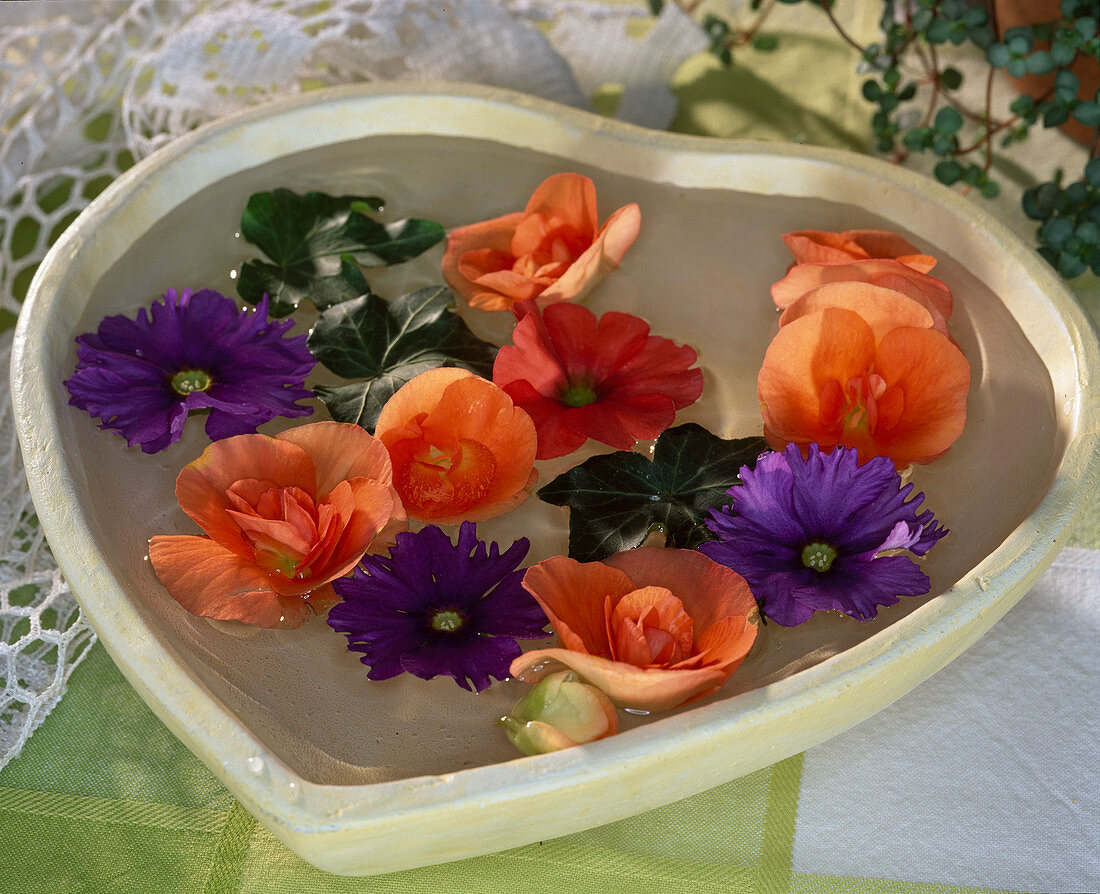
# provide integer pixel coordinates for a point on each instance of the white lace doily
(87, 86)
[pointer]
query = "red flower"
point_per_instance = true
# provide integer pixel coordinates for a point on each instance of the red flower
(579, 378)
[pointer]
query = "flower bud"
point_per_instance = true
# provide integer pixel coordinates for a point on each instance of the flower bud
(559, 712)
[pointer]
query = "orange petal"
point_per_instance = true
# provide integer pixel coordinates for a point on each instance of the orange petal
(494, 235)
(573, 595)
(340, 451)
(418, 395)
(482, 412)
(651, 628)
(569, 197)
(934, 377)
(201, 485)
(647, 689)
(882, 309)
(725, 643)
(884, 244)
(803, 277)
(709, 591)
(822, 247)
(450, 406)
(322, 599)
(603, 256)
(210, 581)
(806, 355)
(364, 508)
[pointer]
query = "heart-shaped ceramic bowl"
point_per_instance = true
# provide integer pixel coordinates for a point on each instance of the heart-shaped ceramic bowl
(363, 777)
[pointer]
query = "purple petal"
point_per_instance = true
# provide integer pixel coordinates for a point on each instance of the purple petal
(860, 511)
(474, 659)
(124, 369)
(390, 603)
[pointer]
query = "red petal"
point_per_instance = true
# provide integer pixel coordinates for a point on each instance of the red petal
(556, 437)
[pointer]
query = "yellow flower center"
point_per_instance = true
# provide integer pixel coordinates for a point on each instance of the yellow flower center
(187, 381)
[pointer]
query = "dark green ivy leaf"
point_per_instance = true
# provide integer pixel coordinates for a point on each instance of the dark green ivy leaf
(384, 344)
(287, 287)
(615, 499)
(313, 243)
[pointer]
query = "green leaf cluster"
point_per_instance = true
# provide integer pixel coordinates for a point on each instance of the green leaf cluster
(1047, 48)
(316, 244)
(381, 345)
(615, 500)
(1069, 233)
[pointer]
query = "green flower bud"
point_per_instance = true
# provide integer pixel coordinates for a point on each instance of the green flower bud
(559, 712)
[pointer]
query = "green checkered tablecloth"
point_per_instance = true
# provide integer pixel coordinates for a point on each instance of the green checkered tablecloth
(954, 788)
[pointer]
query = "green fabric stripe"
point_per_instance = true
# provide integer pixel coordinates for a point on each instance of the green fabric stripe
(828, 884)
(233, 844)
(104, 810)
(778, 850)
(563, 864)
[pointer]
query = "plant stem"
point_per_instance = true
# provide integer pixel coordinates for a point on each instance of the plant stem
(848, 39)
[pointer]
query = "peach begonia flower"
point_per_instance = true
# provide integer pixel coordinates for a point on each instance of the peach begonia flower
(283, 517)
(554, 250)
(461, 450)
(824, 247)
(882, 309)
(654, 628)
(889, 274)
(830, 378)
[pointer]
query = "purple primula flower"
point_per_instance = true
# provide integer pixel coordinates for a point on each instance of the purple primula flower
(808, 534)
(191, 351)
(433, 607)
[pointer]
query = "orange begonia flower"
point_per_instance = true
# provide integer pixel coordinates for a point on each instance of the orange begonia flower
(928, 290)
(882, 309)
(461, 450)
(824, 247)
(283, 517)
(830, 378)
(654, 628)
(553, 250)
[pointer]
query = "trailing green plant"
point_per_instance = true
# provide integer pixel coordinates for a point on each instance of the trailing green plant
(934, 120)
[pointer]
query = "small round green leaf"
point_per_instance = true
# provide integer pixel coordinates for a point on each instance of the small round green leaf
(1070, 266)
(1040, 62)
(998, 55)
(948, 172)
(1092, 172)
(1088, 113)
(1056, 232)
(948, 121)
(951, 78)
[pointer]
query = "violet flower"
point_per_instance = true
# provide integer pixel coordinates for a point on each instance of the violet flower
(190, 351)
(433, 607)
(809, 534)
